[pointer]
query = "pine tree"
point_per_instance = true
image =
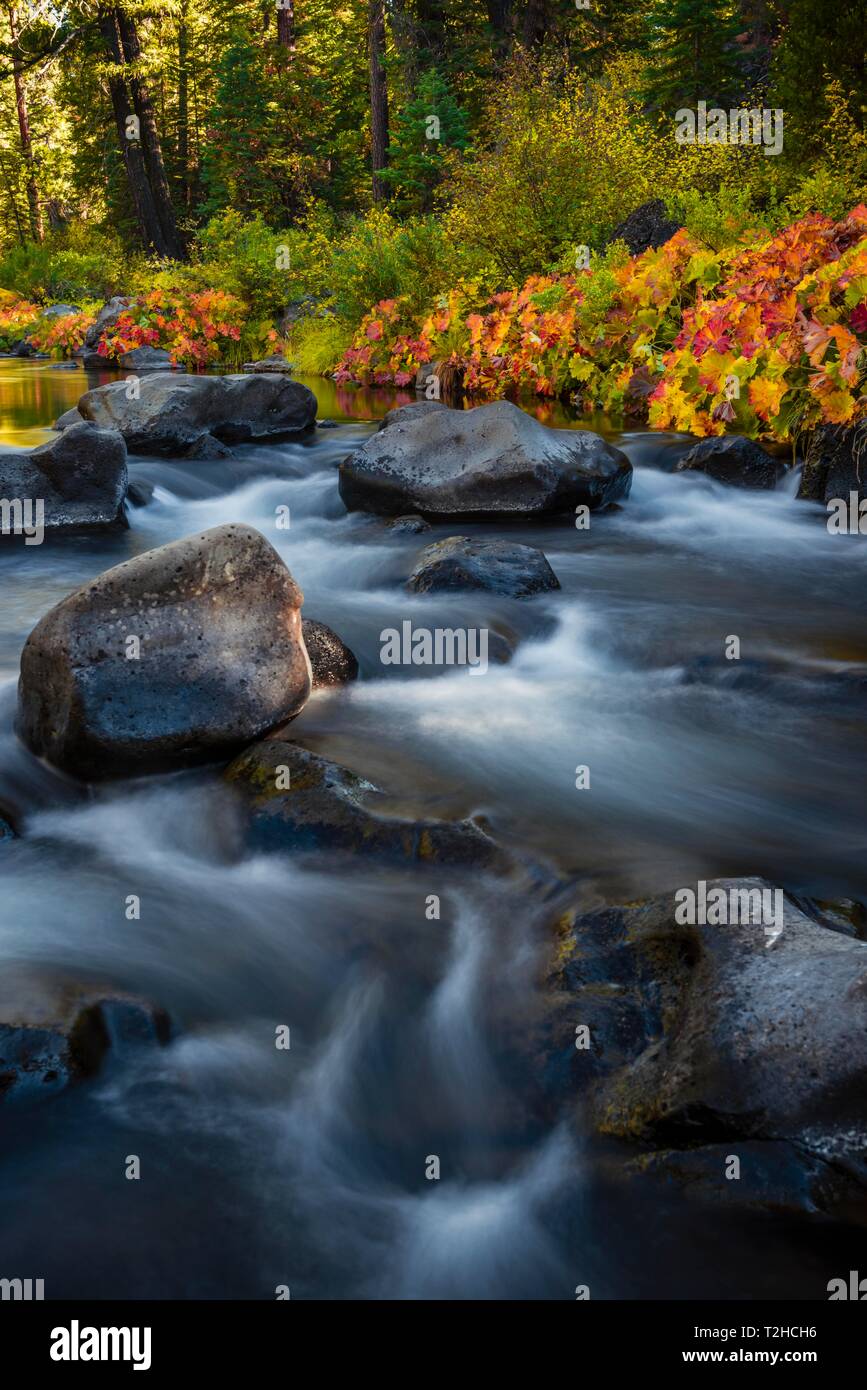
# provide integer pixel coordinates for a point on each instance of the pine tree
(428, 126)
(692, 55)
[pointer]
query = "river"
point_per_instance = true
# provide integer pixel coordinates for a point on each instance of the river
(306, 1168)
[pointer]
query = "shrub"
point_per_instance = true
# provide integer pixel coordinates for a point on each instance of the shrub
(75, 264)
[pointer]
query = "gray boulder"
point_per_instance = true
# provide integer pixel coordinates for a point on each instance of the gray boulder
(178, 657)
(146, 359)
(701, 1033)
(80, 477)
(835, 463)
(106, 318)
(327, 807)
(56, 1032)
(331, 660)
(735, 460)
(60, 311)
(69, 417)
(174, 409)
(499, 567)
(494, 460)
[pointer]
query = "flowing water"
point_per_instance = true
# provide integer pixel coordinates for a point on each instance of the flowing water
(409, 1037)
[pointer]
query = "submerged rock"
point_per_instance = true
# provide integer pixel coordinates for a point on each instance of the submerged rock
(500, 567)
(173, 410)
(706, 1032)
(80, 478)
(331, 660)
(177, 657)
(56, 1032)
(297, 800)
(835, 463)
(6, 831)
(735, 460)
(409, 525)
(491, 461)
(275, 363)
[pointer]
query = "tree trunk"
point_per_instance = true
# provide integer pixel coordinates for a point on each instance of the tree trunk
(37, 230)
(378, 95)
(286, 25)
(153, 155)
(184, 107)
(131, 150)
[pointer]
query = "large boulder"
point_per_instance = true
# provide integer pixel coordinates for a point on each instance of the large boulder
(646, 228)
(835, 463)
(54, 1032)
(172, 410)
(106, 318)
(494, 460)
(331, 660)
(735, 460)
(499, 567)
(700, 1033)
(80, 477)
(297, 800)
(180, 656)
(146, 359)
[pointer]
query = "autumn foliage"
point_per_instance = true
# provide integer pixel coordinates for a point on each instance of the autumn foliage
(768, 341)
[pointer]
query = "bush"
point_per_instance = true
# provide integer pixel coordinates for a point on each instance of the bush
(316, 345)
(78, 263)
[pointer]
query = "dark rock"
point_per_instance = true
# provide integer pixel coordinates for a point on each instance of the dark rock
(146, 359)
(69, 417)
(173, 409)
(65, 367)
(775, 1177)
(6, 831)
(645, 229)
(57, 1032)
(327, 424)
(106, 318)
(835, 463)
(81, 477)
(275, 363)
(139, 493)
(735, 460)
(331, 660)
(701, 1034)
(500, 567)
(409, 525)
(95, 362)
(491, 461)
(207, 446)
(327, 807)
(221, 659)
